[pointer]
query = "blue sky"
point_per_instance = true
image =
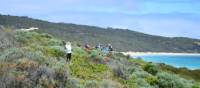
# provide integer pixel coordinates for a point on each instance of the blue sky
(159, 17)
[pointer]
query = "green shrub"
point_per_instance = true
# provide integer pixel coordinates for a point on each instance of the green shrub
(152, 68)
(8, 81)
(46, 35)
(96, 56)
(82, 67)
(117, 68)
(43, 76)
(37, 56)
(152, 80)
(89, 71)
(55, 51)
(91, 84)
(11, 54)
(42, 39)
(120, 72)
(7, 39)
(120, 69)
(79, 52)
(26, 64)
(141, 83)
(54, 42)
(24, 37)
(110, 84)
(166, 80)
(131, 83)
(141, 74)
(74, 83)
(61, 69)
(142, 79)
(196, 85)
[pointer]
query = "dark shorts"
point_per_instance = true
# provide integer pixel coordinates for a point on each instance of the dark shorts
(69, 56)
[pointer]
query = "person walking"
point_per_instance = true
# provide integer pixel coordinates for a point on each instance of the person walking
(87, 46)
(68, 48)
(110, 49)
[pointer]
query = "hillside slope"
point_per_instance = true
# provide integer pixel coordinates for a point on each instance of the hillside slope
(121, 39)
(37, 60)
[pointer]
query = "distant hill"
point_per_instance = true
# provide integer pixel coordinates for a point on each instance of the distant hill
(121, 39)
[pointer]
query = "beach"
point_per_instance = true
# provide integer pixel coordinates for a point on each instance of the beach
(159, 53)
(189, 60)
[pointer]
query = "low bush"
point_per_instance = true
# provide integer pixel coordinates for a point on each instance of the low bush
(82, 67)
(152, 68)
(26, 64)
(91, 84)
(196, 85)
(74, 83)
(14, 54)
(7, 81)
(11, 54)
(79, 52)
(120, 72)
(96, 56)
(55, 51)
(142, 83)
(131, 83)
(118, 69)
(166, 80)
(46, 35)
(25, 37)
(54, 42)
(43, 76)
(7, 39)
(36, 56)
(152, 80)
(110, 84)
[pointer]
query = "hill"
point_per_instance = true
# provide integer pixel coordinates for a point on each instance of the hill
(121, 39)
(37, 60)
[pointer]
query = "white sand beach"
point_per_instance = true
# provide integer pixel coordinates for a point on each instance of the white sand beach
(159, 53)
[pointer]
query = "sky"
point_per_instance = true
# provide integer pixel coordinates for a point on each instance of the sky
(171, 18)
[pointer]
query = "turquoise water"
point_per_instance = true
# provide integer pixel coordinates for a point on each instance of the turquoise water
(191, 62)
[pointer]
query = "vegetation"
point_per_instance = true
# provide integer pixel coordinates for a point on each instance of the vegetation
(37, 60)
(121, 39)
(184, 72)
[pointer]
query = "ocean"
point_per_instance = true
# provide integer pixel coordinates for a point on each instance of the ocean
(188, 61)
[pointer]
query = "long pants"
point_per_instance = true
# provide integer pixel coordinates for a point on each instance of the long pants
(69, 56)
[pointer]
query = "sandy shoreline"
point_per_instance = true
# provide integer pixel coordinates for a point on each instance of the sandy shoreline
(159, 53)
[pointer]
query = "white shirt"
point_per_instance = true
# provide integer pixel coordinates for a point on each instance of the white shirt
(68, 48)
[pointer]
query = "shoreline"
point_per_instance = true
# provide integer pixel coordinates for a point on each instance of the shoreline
(159, 53)
(140, 54)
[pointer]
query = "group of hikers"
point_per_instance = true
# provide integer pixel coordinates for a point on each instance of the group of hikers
(106, 49)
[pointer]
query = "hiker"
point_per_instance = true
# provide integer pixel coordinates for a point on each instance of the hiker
(110, 49)
(98, 46)
(105, 50)
(99, 49)
(68, 48)
(87, 46)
